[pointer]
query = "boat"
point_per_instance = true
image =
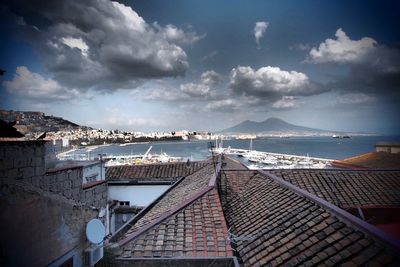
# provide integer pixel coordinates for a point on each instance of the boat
(340, 136)
(269, 161)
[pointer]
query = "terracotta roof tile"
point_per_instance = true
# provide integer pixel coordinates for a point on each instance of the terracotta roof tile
(162, 171)
(373, 160)
(188, 187)
(232, 164)
(272, 225)
(348, 188)
(198, 230)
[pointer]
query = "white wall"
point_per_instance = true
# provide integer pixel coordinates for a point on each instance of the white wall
(90, 170)
(137, 195)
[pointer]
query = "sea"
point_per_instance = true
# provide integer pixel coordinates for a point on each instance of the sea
(321, 147)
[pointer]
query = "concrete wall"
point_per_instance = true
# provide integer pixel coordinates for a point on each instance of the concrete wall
(137, 195)
(388, 149)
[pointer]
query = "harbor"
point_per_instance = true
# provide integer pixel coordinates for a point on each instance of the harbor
(254, 159)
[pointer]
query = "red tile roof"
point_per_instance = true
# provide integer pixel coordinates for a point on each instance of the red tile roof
(162, 172)
(269, 222)
(199, 230)
(187, 221)
(348, 188)
(272, 225)
(372, 160)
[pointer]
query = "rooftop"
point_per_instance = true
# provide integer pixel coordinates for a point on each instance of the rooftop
(163, 172)
(291, 217)
(372, 160)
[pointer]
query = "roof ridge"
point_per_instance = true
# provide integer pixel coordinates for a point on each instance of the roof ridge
(340, 213)
(183, 204)
(236, 194)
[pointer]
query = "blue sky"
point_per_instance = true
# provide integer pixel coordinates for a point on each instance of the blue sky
(204, 65)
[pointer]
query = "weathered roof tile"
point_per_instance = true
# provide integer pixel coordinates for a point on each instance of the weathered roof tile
(266, 217)
(154, 172)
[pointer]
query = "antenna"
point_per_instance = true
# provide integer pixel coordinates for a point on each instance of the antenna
(95, 231)
(211, 148)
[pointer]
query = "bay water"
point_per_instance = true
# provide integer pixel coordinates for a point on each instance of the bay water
(322, 147)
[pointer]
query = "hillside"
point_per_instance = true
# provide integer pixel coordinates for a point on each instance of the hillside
(268, 126)
(34, 122)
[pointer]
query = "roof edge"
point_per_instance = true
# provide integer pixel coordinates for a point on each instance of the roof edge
(178, 260)
(341, 164)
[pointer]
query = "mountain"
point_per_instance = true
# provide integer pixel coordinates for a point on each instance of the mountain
(268, 126)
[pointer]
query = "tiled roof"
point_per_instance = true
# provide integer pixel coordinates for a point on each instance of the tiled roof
(348, 188)
(231, 164)
(272, 225)
(271, 220)
(154, 171)
(374, 160)
(184, 190)
(199, 230)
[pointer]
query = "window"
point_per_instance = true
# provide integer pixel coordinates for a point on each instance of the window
(68, 263)
(124, 203)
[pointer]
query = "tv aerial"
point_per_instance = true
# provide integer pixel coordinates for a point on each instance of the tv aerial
(95, 231)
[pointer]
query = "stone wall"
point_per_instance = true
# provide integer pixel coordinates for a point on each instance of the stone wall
(69, 184)
(95, 196)
(21, 160)
(43, 214)
(25, 161)
(38, 227)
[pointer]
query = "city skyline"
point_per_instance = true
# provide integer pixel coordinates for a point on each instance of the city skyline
(157, 65)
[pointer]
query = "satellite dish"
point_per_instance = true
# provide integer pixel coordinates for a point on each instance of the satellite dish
(95, 231)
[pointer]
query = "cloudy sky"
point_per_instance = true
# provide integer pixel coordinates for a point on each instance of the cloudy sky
(204, 65)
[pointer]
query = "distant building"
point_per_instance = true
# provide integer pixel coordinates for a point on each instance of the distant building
(388, 147)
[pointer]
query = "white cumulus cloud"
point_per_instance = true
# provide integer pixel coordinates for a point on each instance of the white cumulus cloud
(259, 30)
(271, 82)
(32, 85)
(342, 49)
(203, 88)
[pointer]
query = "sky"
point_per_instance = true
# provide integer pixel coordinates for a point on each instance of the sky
(204, 65)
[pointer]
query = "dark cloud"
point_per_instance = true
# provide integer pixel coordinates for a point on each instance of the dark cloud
(101, 44)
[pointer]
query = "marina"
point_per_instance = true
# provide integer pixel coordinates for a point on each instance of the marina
(267, 160)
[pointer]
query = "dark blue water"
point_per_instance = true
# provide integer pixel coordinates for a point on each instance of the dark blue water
(323, 147)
